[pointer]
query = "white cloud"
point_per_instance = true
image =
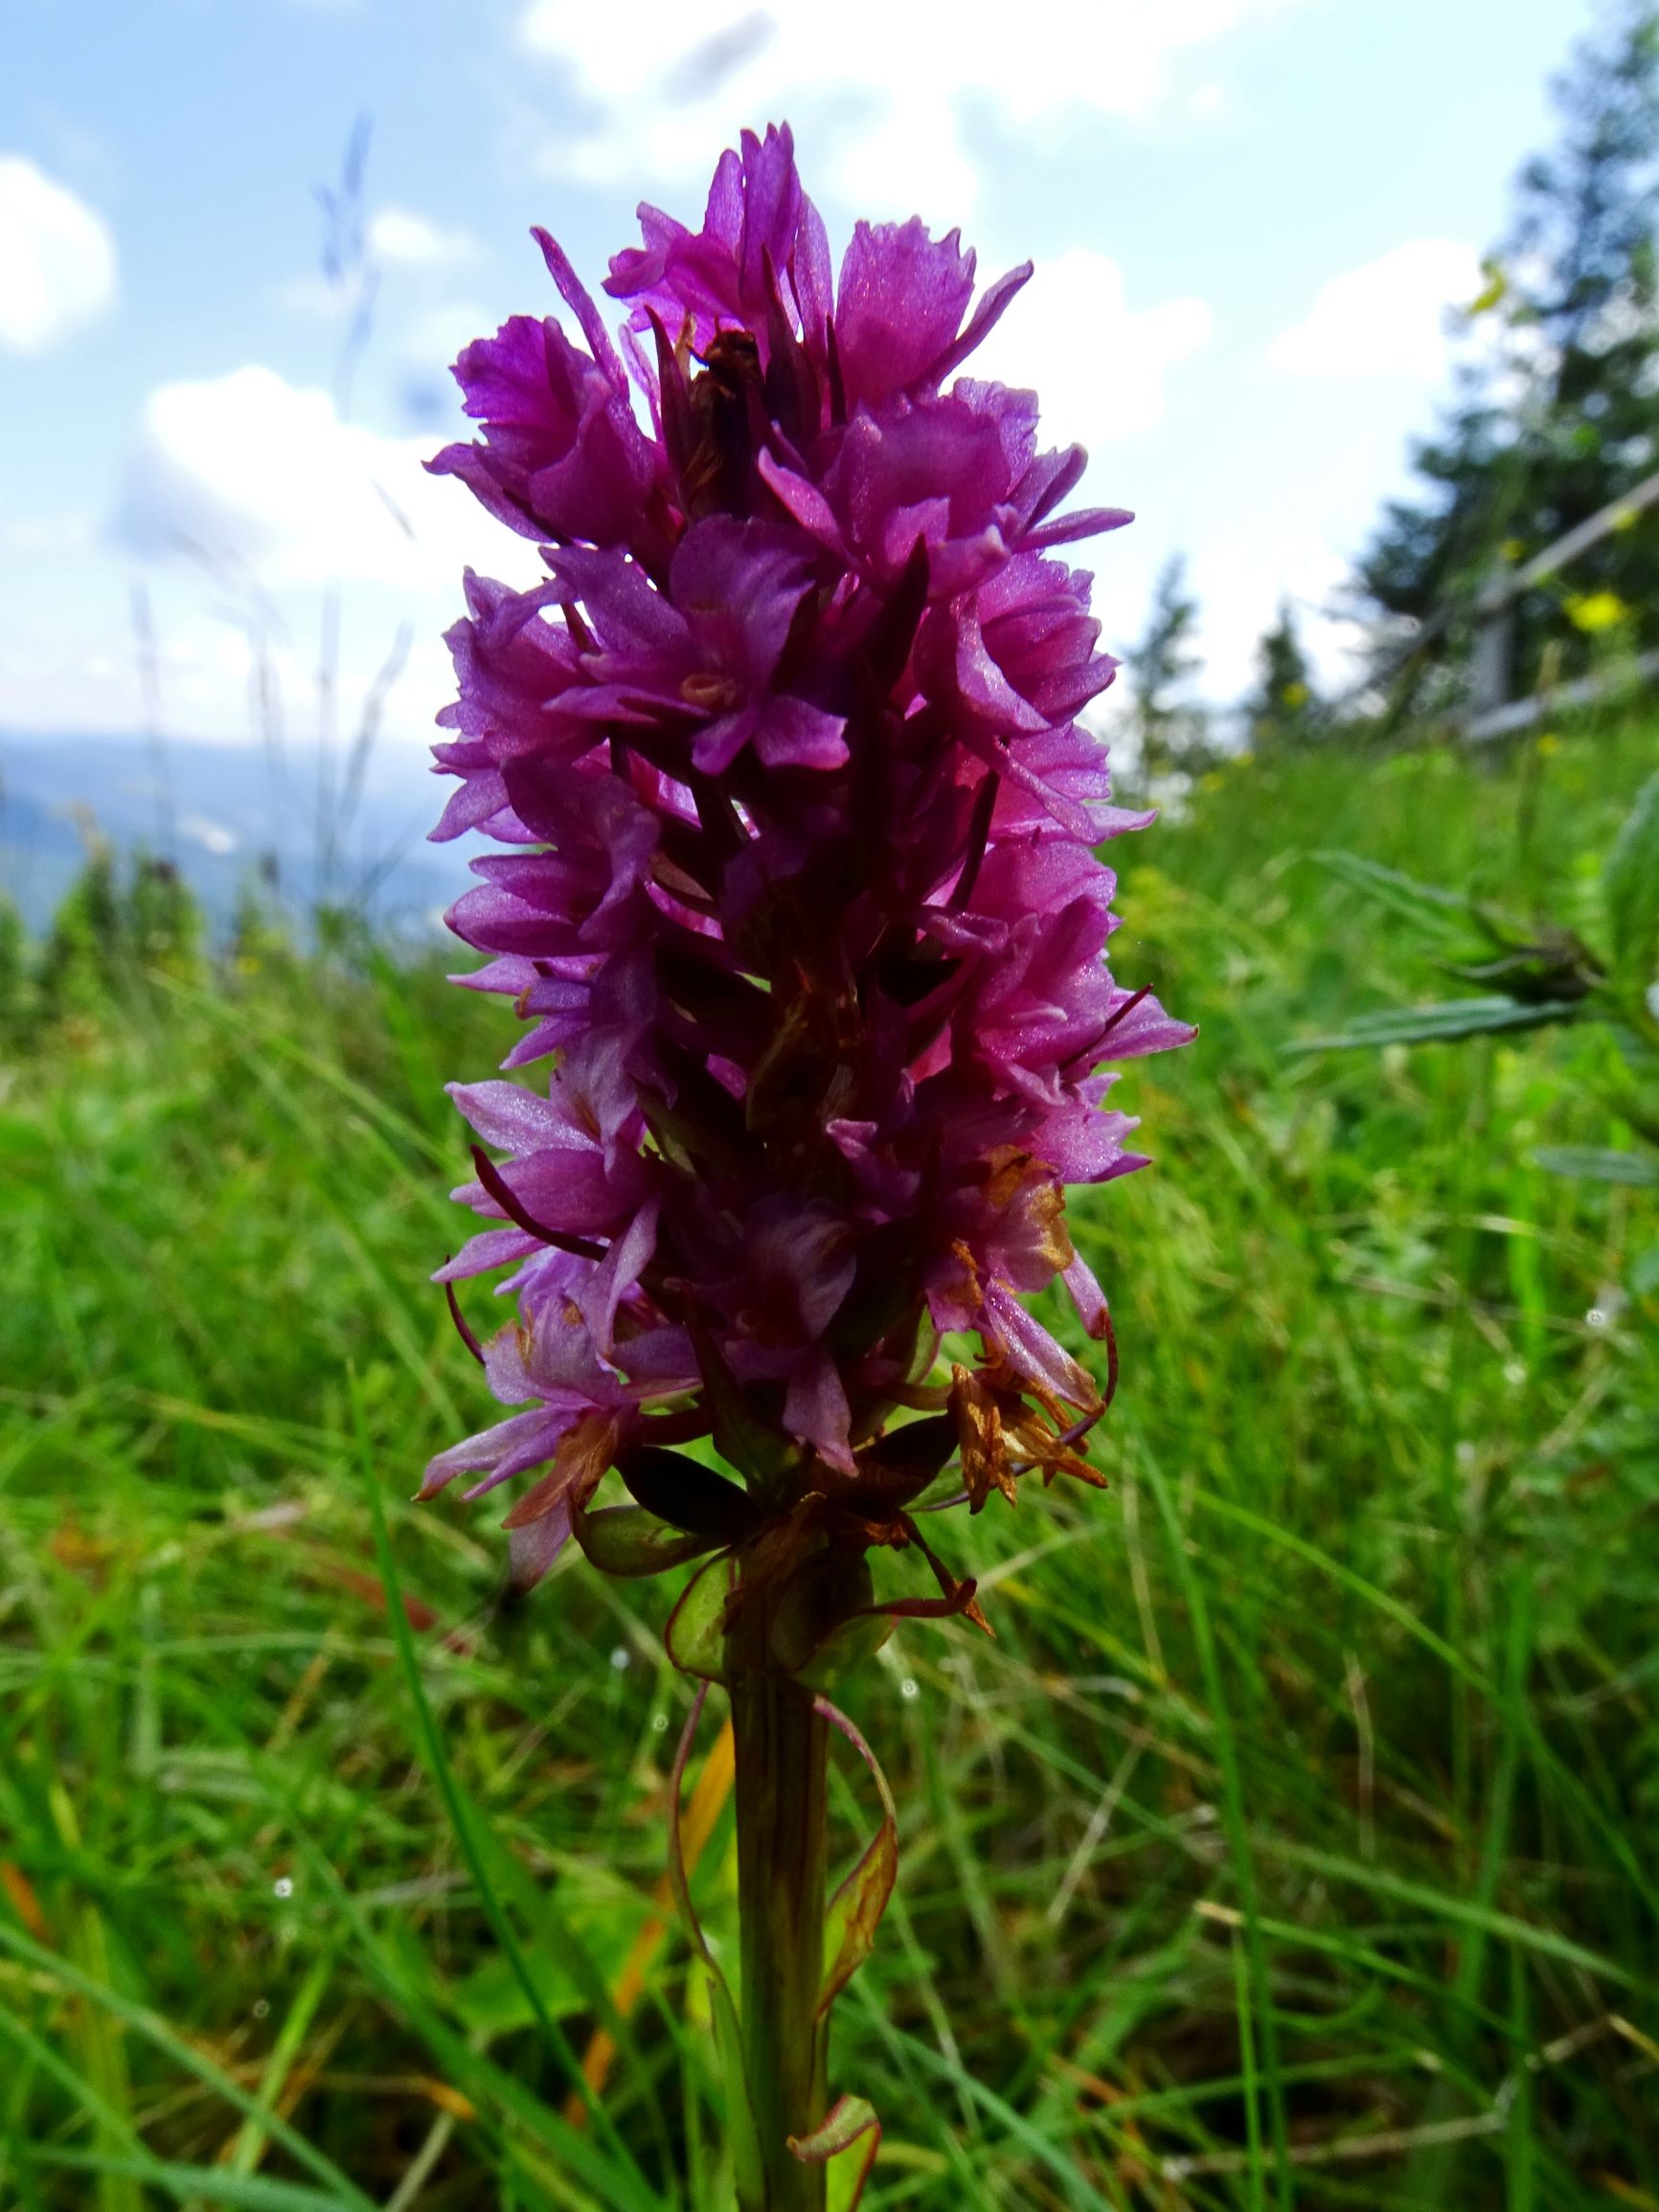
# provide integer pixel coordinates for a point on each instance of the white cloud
(69, 530)
(262, 479)
(311, 294)
(61, 676)
(212, 836)
(420, 251)
(57, 267)
(265, 477)
(666, 82)
(399, 234)
(1239, 582)
(909, 161)
(55, 675)
(436, 334)
(1238, 577)
(1387, 318)
(1098, 364)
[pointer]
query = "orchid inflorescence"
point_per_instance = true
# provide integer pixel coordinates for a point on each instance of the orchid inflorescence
(797, 892)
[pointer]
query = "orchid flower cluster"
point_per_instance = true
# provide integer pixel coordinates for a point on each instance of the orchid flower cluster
(796, 889)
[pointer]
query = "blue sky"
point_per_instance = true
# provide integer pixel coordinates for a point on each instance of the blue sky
(1247, 216)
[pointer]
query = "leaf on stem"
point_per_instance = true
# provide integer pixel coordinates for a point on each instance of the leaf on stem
(625, 1540)
(695, 1636)
(855, 1909)
(1442, 1025)
(685, 1493)
(855, 1913)
(1444, 912)
(742, 2135)
(1630, 887)
(748, 2167)
(848, 2130)
(1599, 1164)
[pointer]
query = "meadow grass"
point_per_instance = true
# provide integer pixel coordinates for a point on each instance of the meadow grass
(1292, 1843)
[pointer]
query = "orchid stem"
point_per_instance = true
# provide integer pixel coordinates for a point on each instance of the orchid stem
(780, 1791)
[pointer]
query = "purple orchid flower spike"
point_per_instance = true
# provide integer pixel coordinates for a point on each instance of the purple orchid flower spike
(797, 891)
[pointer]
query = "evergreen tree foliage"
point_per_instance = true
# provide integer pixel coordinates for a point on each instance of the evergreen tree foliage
(1559, 412)
(83, 947)
(259, 940)
(1173, 732)
(16, 977)
(108, 935)
(1283, 708)
(163, 921)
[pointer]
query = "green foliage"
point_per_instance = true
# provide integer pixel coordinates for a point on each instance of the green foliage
(1290, 1846)
(1555, 416)
(163, 923)
(259, 941)
(16, 971)
(1601, 1164)
(1547, 974)
(1444, 1023)
(83, 952)
(117, 930)
(1630, 886)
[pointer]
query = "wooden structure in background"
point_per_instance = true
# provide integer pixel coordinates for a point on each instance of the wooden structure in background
(1493, 713)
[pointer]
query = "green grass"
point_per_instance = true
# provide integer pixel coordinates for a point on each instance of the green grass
(1292, 1845)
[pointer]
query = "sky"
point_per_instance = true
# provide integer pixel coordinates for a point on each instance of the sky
(1248, 218)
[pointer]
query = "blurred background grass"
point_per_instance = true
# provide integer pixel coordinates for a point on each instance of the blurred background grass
(1291, 1845)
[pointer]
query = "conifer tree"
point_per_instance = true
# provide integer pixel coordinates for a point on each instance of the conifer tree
(16, 980)
(1559, 412)
(1281, 711)
(1172, 730)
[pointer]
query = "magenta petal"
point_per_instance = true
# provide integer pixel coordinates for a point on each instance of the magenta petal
(580, 300)
(1142, 1027)
(1086, 523)
(523, 1440)
(489, 1248)
(803, 501)
(561, 453)
(1087, 1296)
(815, 1409)
(1033, 1351)
(618, 1274)
(982, 322)
(718, 746)
(506, 1114)
(476, 800)
(739, 589)
(792, 732)
(530, 1550)
(898, 305)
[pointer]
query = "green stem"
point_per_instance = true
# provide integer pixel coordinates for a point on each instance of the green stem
(781, 1748)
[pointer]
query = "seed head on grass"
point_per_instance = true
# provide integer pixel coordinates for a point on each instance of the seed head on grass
(797, 888)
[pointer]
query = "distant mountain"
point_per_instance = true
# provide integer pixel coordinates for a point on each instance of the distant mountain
(226, 814)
